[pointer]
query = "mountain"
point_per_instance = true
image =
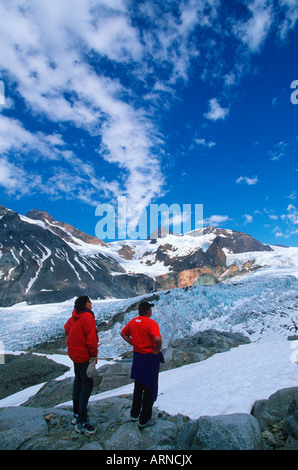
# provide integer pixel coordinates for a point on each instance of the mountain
(65, 231)
(194, 258)
(38, 265)
(45, 261)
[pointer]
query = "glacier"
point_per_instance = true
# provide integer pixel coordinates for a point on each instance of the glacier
(261, 304)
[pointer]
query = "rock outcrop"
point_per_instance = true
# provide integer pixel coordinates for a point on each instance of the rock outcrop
(50, 428)
(28, 428)
(278, 419)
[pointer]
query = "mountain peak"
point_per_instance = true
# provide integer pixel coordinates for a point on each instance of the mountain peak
(64, 230)
(160, 232)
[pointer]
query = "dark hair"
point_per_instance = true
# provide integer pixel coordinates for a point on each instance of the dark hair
(80, 303)
(144, 307)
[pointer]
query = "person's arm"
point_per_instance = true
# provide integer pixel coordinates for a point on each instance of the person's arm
(157, 344)
(90, 333)
(67, 326)
(127, 338)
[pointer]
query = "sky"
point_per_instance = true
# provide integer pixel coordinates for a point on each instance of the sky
(189, 102)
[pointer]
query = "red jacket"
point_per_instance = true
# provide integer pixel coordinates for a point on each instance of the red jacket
(82, 340)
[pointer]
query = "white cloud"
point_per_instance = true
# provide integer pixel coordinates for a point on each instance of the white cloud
(288, 223)
(292, 214)
(255, 30)
(278, 152)
(43, 48)
(247, 180)
(216, 111)
(289, 9)
(204, 143)
(52, 52)
(216, 220)
(13, 179)
(247, 218)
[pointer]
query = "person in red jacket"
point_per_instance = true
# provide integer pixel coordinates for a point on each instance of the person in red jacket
(82, 344)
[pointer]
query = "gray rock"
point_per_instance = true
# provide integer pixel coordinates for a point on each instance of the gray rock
(24, 370)
(50, 394)
(291, 444)
(130, 437)
(114, 375)
(291, 420)
(19, 424)
(228, 432)
(92, 446)
(200, 346)
(275, 408)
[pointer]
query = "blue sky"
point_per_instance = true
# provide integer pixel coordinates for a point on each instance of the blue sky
(174, 102)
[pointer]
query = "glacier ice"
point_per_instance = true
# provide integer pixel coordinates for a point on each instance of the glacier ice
(260, 306)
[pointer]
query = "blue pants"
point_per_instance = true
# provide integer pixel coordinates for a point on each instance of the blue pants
(82, 389)
(142, 402)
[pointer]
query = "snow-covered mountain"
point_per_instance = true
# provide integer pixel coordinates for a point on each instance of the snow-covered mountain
(194, 258)
(44, 261)
(40, 263)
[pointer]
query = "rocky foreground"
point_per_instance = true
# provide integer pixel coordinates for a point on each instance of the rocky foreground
(39, 425)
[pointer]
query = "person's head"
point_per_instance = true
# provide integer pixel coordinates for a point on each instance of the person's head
(82, 303)
(145, 308)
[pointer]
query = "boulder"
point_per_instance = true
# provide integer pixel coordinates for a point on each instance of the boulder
(51, 392)
(24, 370)
(237, 431)
(278, 418)
(200, 346)
(114, 375)
(275, 408)
(291, 420)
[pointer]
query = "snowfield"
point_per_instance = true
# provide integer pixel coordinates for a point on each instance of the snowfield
(263, 305)
(227, 382)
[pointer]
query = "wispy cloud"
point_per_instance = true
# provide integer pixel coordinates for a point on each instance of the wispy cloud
(216, 220)
(248, 219)
(204, 143)
(107, 70)
(45, 49)
(247, 180)
(255, 30)
(278, 152)
(52, 52)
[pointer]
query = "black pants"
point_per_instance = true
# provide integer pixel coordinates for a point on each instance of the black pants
(142, 402)
(82, 389)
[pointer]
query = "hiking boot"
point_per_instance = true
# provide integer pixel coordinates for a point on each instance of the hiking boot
(85, 428)
(149, 423)
(132, 418)
(74, 419)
